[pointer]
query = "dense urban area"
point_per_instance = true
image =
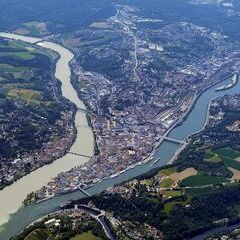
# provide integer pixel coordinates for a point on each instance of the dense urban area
(139, 88)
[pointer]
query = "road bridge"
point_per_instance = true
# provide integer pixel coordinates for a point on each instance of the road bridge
(82, 110)
(173, 140)
(80, 155)
(84, 191)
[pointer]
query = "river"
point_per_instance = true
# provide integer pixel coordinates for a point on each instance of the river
(193, 123)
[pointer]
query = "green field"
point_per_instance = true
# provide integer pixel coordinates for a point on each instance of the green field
(227, 152)
(86, 236)
(31, 27)
(17, 49)
(166, 183)
(209, 155)
(212, 157)
(100, 41)
(148, 182)
(168, 194)
(18, 82)
(21, 45)
(30, 24)
(38, 234)
(168, 206)
(215, 159)
(226, 155)
(23, 55)
(167, 171)
(199, 191)
(17, 46)
(233, 164)
(10, 68)
(25, 94)
(152, 200)
(202, 180)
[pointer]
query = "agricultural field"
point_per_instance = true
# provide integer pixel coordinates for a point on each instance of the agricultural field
(33, 29)
(167, 171)
(169, 205)
(202, 180)
(170, 194)
(188, 172)
(195, 183)
(228, 157)
(166, 183)
(236, 173)
(194, 192)
(212, 157)
(169, 177)
(43, 234)
(228, 153)
(17, 72)
(24, 55)
(86, 236)
(39, 234)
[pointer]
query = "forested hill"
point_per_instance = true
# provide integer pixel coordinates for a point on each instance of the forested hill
(67, 14)
(70, 15)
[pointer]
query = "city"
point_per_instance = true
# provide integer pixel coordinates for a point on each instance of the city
(119, 119)
(128, 129)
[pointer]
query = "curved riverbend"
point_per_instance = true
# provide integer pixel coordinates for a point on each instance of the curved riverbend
(13, 195)
(193, 123)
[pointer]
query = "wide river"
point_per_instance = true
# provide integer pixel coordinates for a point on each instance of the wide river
(11, 197)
